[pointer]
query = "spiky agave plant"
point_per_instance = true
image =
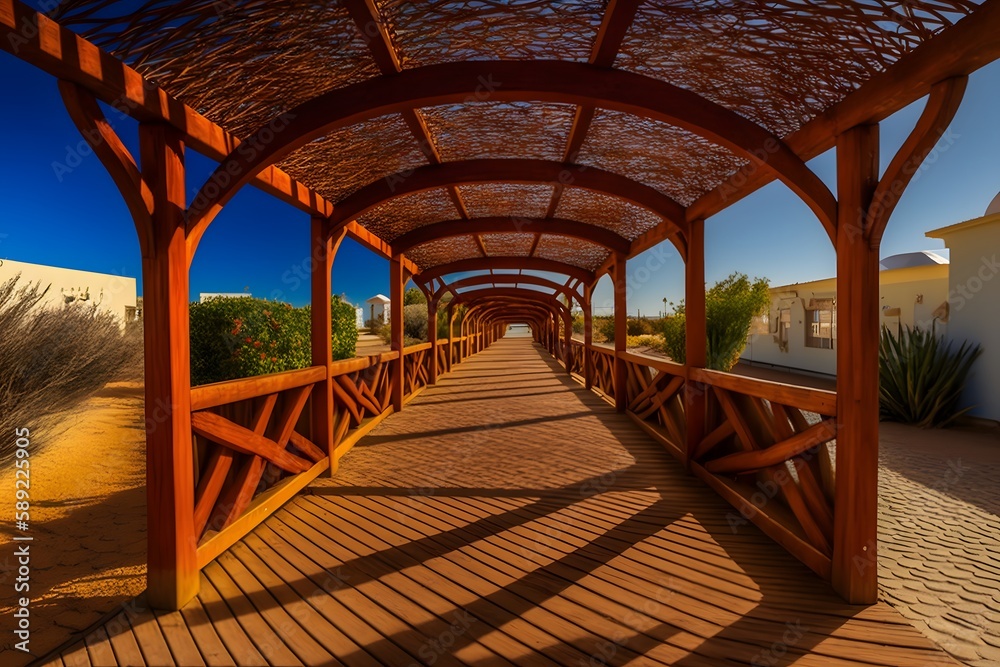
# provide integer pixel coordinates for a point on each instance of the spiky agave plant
(922, 377)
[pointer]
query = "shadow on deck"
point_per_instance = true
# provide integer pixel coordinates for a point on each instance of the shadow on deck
(508, 516)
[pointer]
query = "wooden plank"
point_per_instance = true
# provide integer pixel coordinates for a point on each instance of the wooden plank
(741, 462)
(223, 618)
(814, 400)
(180, 641)
(231, 391)
(306, 446)
(124, 642)
(219, 429)
(202, 631)
(663, 365)
(150, 639)
(265, 504)
(210, 486)
(98, 650)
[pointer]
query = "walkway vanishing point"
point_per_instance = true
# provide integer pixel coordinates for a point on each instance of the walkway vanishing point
(509, 518)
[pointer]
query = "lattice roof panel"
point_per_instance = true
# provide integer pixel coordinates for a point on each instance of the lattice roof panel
(434, 31)
(506, 200)
(402, 214)
(352, 157)
(508, 245)
(500, 130)
(577, 252)
(612, 213)
(443, 251)
(676, 162)
(779, 63)
(239, 62)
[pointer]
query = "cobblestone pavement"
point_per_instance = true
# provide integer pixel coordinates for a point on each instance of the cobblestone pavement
(939, 531)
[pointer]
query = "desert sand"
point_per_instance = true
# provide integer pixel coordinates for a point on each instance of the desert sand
(88, 520)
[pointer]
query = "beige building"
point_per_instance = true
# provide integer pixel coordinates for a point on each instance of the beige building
(974, 300)
(70, 287)
(800, 330)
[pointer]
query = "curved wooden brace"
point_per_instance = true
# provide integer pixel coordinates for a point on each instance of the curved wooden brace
(468, 172)
(525, 263)
(942, 104)
(514, 293)
(510, 81)
(116, 158)
(516, 278)
(557, 226)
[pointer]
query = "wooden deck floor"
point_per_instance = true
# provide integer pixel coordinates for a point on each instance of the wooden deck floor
(508, 517)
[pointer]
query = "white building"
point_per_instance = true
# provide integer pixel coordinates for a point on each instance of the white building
(378, 308)
(974, 301)
(71, 287)
(800, 330)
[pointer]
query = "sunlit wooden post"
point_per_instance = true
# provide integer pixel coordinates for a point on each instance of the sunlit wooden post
(568, 335)
(695, 335)
(396, 284)
(172, 565)
(323, 249)
(432, 338)
(854, 574)
(451, 334)
(588, 336)
(621, 332)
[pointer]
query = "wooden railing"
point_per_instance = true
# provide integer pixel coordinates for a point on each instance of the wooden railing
(764, 446)
(254, 442)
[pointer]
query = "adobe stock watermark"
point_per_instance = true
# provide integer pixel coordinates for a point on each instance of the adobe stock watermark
(775, 653)
(634, 619)
(28, 31)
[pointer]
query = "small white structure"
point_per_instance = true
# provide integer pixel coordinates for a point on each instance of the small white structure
(359, 317)
(974, 301)
(378, 308)
(205, 296)
(800, 330)
(71, 287)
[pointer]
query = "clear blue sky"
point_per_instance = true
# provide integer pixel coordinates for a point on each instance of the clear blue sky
(77, 219)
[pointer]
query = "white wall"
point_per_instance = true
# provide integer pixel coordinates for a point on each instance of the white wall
(915, 291)
(974, 297)
(110, 293)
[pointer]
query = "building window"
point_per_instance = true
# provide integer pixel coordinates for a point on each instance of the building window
(783, 327)
(821, 323)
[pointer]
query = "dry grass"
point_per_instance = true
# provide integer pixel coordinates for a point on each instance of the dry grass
(53, 358)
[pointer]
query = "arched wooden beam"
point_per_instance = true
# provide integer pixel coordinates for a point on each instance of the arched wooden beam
(558, 226)
(509, 81)
(116, 158)
(516, 278)
(512, 293)
(487, 263)
(468, 172)
(945, 98)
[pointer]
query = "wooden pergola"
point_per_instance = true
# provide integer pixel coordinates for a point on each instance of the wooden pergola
(559, 138)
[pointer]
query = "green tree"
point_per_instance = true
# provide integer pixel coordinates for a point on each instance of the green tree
(730, 306)
(412, 296)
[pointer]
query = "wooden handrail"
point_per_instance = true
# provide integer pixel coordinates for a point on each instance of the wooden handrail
(419, 347)
(231, 391)
(671, 367)
(805, 398)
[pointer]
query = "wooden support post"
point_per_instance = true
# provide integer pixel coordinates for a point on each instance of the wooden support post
(621, 331)
(568, 335)
(854, 571)
(696, 336)
(172, 564)
(588, 336)
(396, 286)
(432, 337)
(451, 333)
(323, 248)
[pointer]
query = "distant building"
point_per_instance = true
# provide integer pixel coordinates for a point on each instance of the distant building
(378, 308)
(974, 302)
(800, 329)
(72, 287)
(205, 296)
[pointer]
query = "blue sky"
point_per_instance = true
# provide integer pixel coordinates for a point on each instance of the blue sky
(76, 218)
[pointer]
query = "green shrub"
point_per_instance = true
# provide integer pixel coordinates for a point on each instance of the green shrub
(578, 323)
(644, 340)
(604, 329)
(239, 337)
(415, 321)
(730, 306)
(413, 296)
(921, 378)
(640, 327)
